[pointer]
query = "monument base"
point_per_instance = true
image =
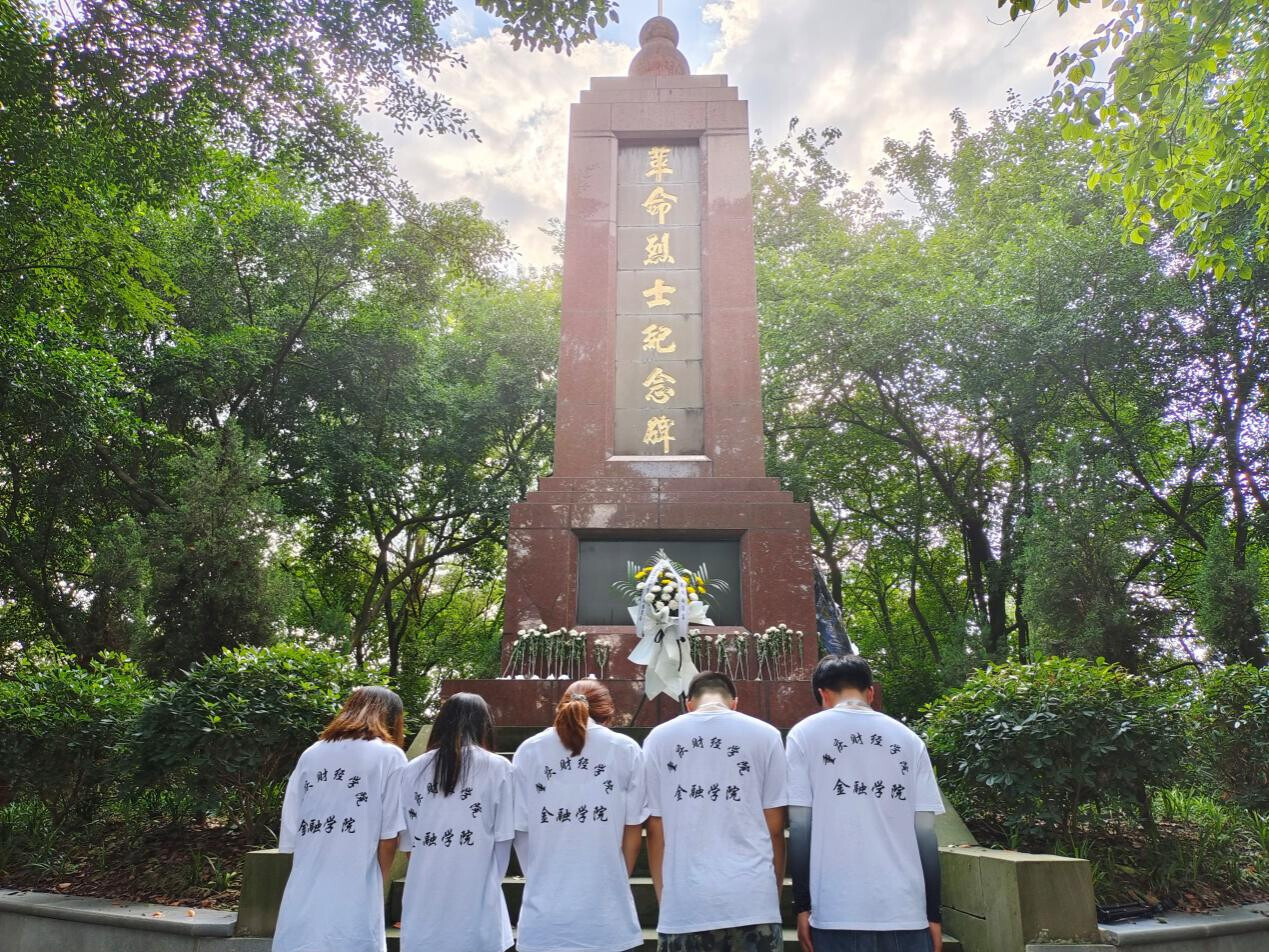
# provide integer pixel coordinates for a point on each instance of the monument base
(531, 703)
(776, 583)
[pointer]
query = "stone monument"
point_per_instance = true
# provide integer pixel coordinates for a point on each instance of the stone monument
(659, 441)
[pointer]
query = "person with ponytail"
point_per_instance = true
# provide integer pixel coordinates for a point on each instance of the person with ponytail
(340, 818)
(460, 821)
(580, 809)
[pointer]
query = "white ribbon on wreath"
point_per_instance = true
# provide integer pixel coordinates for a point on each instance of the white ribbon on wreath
(663, 647)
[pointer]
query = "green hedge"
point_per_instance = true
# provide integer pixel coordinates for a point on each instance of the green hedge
(1028, 746)
(59, 723)
(230, 731)
(221, 740)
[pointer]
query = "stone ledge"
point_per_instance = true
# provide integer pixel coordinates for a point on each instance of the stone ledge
(132, 915)
(998, 900)
(1187, 926)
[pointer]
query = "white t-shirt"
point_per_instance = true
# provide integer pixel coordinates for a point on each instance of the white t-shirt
(453, 891)
(342, 799)
(571, 814)
(864, 775)
(710, 776)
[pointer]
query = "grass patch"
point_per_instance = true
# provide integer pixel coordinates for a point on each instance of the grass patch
(146, 850)
(1201, 853)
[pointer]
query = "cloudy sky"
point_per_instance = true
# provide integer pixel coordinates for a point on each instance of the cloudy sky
(873, 68)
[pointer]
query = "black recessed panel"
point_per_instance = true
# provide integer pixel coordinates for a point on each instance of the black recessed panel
(600, 562)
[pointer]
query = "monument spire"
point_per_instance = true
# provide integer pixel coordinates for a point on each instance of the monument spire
(659, 48)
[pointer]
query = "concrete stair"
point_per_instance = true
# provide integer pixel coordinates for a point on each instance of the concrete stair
(510, 738)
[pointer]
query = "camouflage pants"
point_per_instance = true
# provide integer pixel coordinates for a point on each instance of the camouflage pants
(763, 938)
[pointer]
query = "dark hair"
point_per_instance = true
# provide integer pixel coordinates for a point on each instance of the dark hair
(369, 713)
(582, 699)
(463, 720)
(707, 681)
(838, 672)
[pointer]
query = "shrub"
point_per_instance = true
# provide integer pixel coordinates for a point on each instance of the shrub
(58, 724)
(1229, 733)
(230, 732)
(1028, 745)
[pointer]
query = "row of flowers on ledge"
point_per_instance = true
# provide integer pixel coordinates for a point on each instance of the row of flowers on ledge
(561, 654)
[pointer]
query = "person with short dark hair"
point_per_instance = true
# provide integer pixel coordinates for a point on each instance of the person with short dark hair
(340, 818)
(863, 854)
(579, 825)
(716, 782)
(459, 823)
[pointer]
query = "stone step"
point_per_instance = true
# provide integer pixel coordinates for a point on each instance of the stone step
(650, 941)
(640, 885)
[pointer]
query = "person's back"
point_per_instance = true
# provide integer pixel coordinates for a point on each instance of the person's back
(578, 816)
(459, 823)
(716, 782)
(862, 862)
(340, 807)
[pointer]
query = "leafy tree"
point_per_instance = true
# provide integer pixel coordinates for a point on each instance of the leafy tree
(926, 377)
(1229, 732)
(216, 584)
(417, 465)
(270, 78)
(930, 340)
(118, 618)
(1229, 598)
(1178, 124)
(61, 403)
(1087, 551)
(114, 116)
(360, 391)
(457, 632)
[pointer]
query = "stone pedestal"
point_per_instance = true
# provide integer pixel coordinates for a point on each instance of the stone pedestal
(781, 703)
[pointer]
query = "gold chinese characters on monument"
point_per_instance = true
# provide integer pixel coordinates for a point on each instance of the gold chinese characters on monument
(659, 381)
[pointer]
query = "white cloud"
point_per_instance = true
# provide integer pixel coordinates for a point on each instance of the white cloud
(881, 68)
(874, 68)
(518, 102)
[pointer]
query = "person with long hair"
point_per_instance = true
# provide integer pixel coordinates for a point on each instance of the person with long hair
(580, 808)
(340, 818)
(460, 821)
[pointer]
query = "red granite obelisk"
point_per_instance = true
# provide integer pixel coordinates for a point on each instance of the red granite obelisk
(659, 413)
